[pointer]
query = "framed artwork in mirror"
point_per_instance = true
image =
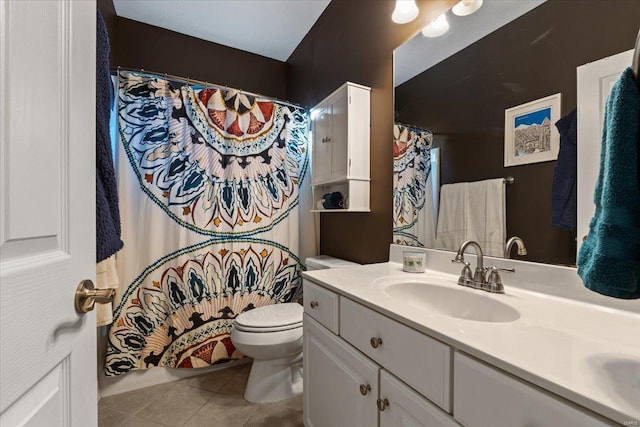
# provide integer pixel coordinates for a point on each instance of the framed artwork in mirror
(530, 135)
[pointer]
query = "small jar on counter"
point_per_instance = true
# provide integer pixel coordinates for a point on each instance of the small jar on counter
(414, 261)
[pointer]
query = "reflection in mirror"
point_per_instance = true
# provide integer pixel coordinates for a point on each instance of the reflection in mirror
(459, 85)
(414, 207)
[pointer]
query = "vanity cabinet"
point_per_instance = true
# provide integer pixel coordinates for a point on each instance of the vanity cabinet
(340, 156)
(486, 397)
(333, 375)
(407, 408)
(345, 386)
(364, 369)
(418, 360)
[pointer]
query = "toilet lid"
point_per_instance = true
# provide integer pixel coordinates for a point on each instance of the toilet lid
(272, 317)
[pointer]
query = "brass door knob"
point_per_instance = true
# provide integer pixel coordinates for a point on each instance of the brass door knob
(375, 342)
(87, 296)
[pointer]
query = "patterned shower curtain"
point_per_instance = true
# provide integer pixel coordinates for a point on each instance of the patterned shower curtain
(209, 186)
(413, 218)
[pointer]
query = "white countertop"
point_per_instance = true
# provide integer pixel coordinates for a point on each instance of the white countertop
(585, 353)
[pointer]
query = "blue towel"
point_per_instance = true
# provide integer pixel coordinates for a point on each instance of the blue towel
(609, 260)
(107, 212)
(564, 202)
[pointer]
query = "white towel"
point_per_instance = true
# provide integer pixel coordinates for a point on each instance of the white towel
(486, 215)
(473, 211)
(106, 278)
(452, 229)
(426, 224)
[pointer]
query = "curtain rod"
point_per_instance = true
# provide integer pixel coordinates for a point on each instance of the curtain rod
(414, 127)
(205, 84)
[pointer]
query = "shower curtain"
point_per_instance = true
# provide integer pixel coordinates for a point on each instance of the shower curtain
(209, 183)
(413, 218)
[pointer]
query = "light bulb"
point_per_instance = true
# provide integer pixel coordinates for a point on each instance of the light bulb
(466, 7)
(438, 27)
(405, 11)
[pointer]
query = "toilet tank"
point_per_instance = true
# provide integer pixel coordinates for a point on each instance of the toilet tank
(324, 261)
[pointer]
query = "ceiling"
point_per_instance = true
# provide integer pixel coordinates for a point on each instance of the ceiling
(421, 53)
(271, 28)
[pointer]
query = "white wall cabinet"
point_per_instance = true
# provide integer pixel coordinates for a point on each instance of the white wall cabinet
(340, 154)
(408, 378)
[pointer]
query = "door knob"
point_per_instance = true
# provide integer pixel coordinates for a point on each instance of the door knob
(313, 304)
(87, 296)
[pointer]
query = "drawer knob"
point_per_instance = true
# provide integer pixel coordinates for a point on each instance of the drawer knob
(375, 342)
(364, 389)
(382, 404)
(313, 304)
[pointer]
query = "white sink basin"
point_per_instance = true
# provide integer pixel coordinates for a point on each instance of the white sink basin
(459, 303)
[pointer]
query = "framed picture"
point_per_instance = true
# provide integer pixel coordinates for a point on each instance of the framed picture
(530, 135)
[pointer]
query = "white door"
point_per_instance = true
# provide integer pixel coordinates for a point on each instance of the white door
(47, 212)
(404, 407)
(340, 384)
(595, 81)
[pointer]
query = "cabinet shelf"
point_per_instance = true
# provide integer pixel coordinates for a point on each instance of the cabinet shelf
(341, 148)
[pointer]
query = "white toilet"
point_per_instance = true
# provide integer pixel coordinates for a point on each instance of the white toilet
(272, 336)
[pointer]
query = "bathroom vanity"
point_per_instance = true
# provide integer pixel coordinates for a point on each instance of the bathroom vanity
(384, 347)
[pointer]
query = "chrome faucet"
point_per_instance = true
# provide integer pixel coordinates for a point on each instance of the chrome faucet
(515, 240)
(479, 279)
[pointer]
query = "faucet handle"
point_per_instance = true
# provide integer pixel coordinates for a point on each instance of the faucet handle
(493, 268)
(494, 281)
(466, 276)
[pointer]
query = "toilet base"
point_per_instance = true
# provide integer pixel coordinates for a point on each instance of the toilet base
(274, 380)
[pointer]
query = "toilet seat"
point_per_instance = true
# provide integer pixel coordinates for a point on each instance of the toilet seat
(269, 329)
(270, 318)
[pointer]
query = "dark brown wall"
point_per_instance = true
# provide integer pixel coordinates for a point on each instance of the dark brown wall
(138, 45)
(354, 41)
(108, 12)
(462, 100)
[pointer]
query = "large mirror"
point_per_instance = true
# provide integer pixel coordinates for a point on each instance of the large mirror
(451, 93)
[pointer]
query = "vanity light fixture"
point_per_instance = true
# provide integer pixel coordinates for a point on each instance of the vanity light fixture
(437, 27)
(405, 11)
(466, 7)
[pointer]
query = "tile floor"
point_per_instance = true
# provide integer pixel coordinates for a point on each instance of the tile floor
(213, 399)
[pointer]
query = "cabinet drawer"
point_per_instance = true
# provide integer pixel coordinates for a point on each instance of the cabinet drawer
(486, 397)
(416, 359)
(408, 408)
(322, 305)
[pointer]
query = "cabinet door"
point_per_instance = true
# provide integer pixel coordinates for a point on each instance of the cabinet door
(486, 397)
(321, 154)
(406, 408)
(333, 374)
(338, 106)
